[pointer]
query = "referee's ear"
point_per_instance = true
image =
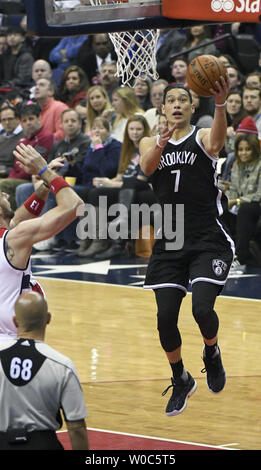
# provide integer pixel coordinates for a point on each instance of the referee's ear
(48, 318)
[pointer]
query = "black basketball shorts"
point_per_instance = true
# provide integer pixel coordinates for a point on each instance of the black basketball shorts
(205, 257)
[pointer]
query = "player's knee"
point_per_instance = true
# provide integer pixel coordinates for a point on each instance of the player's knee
(168, 331)
(206, 319)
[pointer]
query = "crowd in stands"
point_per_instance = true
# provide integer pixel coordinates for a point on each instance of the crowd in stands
(63, 97)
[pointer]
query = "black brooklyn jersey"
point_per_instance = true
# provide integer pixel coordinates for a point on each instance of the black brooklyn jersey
(187, 175)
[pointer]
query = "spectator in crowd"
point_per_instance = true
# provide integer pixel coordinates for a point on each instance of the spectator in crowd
(141, 87)
(178, 71)
(226, 60)
(108, 78)
(234, 77)
(51, 109)
(253, 79)
(235, 114)
(129, 186)
(98, 104)
(64, 54)
(41, 69)
(101, 160)
(197, 36)
(36, 136)
(156, 97)
(40, 46)
(125, 104)
(246, 126)
(72, 150)
(17, 61)
(252, 105)
(73, 87)
(10, 136)
(102, 156)
(95, 51)
(244, 197)
(204, 110)
(169, 43)
(3, 42)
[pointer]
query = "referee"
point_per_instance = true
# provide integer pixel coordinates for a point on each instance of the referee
(36, 382)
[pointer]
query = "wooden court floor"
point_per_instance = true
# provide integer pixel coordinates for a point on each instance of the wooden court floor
(109, 332)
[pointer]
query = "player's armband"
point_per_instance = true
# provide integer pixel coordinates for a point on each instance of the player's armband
(57, 184)
(34, 204)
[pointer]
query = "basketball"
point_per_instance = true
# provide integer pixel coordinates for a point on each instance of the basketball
(202, 73)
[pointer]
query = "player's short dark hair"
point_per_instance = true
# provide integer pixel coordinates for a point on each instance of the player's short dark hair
(176, 85)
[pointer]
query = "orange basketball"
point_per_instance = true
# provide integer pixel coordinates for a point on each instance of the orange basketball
(203, 72)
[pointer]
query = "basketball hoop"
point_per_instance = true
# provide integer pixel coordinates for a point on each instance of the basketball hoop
(136, 50)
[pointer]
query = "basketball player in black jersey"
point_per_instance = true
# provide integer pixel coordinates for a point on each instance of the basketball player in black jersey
(181, 163)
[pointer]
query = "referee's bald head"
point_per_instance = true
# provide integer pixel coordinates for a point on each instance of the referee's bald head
(31, 312)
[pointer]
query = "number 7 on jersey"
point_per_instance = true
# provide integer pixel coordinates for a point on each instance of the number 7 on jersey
(177, 178)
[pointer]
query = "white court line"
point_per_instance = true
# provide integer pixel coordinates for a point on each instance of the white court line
(222, 447)
(135, 287)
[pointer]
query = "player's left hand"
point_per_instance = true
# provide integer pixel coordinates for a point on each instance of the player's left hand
(221, 90)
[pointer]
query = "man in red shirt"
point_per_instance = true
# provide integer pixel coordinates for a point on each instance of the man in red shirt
(51, 109)
(35, 135)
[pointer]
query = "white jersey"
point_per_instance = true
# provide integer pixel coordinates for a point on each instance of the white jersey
(36, 383)
(13, 281)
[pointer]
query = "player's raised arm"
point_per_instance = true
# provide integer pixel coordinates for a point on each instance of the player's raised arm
(22, 237)
(41, 192)
(214, 139)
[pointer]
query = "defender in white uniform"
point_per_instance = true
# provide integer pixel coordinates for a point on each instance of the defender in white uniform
(20, 231)
(13, 282)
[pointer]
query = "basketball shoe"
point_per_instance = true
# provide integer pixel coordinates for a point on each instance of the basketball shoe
(216, 375)
(182, 390)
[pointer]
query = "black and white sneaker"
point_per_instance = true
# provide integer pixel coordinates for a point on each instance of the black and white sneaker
(216, 375)
(182, 390)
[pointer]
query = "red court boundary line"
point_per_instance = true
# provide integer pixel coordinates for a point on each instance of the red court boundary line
(101, 439)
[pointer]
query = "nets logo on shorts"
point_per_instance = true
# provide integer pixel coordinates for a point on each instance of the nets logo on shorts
(219, 267)
(248, 6)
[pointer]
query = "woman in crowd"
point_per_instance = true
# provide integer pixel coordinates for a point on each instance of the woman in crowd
(125, 104)
(98, 104)
(129, 186)
(197, 36)
(141, 89)
(244, 197)
(73, 87)
(235, 114)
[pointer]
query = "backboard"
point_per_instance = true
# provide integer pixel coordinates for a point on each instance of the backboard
(70, 17)
(59, 18)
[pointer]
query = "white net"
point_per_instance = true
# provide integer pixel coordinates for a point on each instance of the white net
(136, 50)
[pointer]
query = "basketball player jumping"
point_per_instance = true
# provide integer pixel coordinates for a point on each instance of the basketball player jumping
(182, 162)
(20, 231)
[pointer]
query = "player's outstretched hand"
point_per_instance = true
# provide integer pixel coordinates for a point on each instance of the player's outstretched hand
(165, 135)
(29, 159)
